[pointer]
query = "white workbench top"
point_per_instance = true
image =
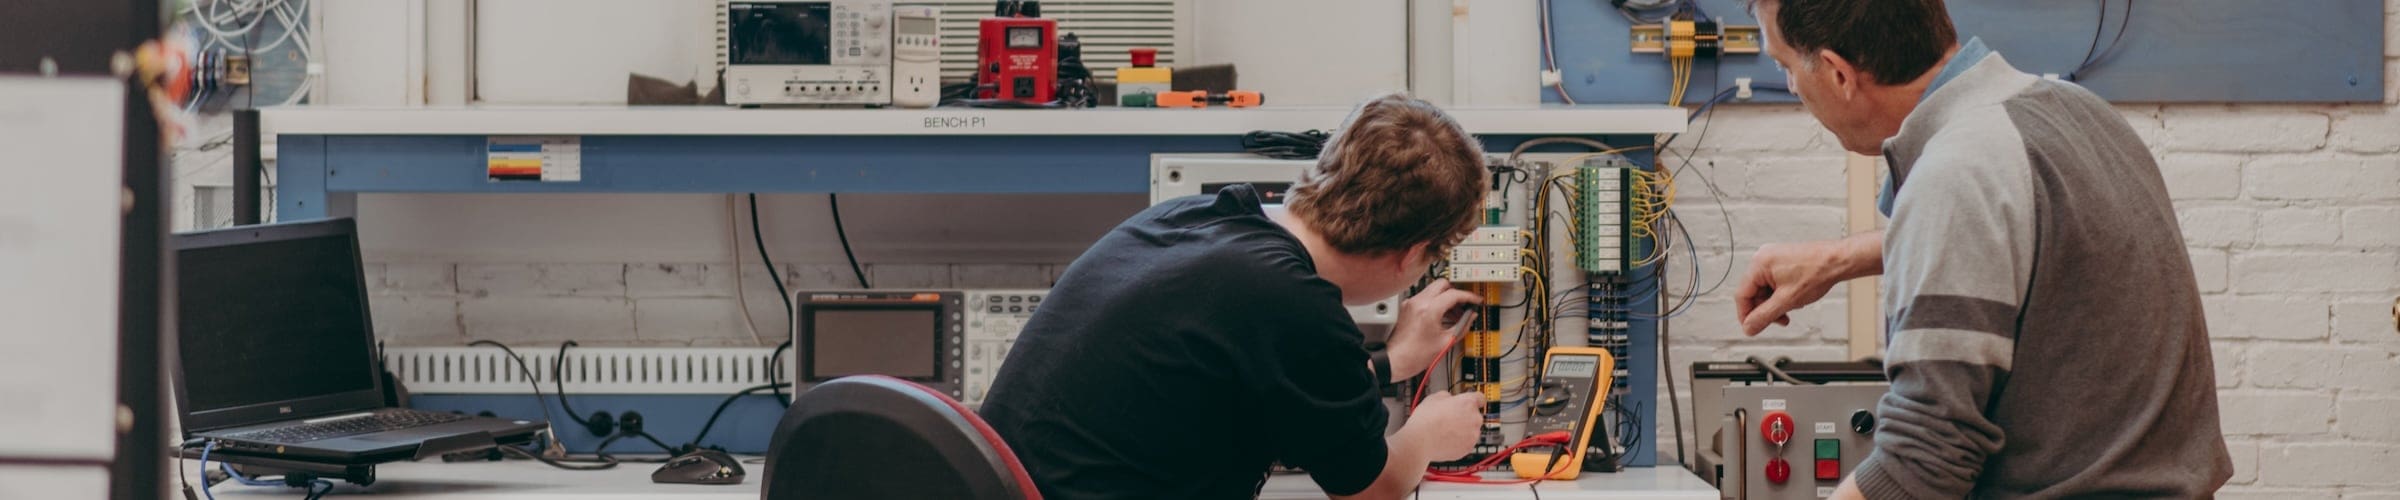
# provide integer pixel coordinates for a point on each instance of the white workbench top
(523, 480)
(718, 120)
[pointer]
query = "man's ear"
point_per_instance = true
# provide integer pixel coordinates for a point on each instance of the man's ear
(1846, 79)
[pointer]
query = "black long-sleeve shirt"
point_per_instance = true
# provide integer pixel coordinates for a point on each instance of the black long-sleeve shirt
(1186, 351)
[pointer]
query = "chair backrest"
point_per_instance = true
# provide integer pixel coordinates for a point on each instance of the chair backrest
(877, 437)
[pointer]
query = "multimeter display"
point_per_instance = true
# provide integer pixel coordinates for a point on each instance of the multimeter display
(1574, 366)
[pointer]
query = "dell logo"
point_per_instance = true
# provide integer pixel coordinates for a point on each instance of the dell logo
(283, 409)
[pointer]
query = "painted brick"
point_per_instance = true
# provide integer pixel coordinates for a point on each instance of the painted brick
(2277, 414)
(2289, 366)
(2300, 226)
(425, 279)
(2265, 318)
(2328, 464)
(1724, 173)
(2322, 367)
(2323, 178)
(1755, 225)
(1781, 129)
(542, 280)
(909, 275)
(2227, 357)
(2245, 129)
(690, 319)
(415, 321)
(999, 276)
(2369, 418)
(680, 280)
(2218, 227)
(548, 319)
(2365, 322)
(2367, 130)
(2316, 272)
(1794, 178)
(2245, 461)
(2371, 495)
(826, 277)
(2208, 269)
(2371, 227)
(2202, 176)
(2243, 493)
(2145, 122)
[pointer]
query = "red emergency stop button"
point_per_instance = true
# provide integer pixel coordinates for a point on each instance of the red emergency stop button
(1829, 469)
(1778, 471)
(1776, 427)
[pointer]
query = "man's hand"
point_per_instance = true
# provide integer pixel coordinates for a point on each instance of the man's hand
(1447, 425)
(1422, 331)
(1784, 277)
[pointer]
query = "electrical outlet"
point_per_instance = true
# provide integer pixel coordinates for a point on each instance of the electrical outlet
(1483, 273)
(1484, 254)
(1494, 235)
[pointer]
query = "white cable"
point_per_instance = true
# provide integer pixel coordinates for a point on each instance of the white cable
(741, 293)
(290, 26)
(1550, 52)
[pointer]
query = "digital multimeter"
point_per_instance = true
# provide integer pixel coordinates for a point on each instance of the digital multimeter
(1575, 382)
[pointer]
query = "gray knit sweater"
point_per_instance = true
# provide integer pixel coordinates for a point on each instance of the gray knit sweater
(2046, 337)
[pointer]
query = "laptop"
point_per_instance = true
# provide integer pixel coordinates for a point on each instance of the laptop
(277, 353)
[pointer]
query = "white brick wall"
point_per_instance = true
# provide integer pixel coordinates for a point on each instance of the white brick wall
(2292, 217)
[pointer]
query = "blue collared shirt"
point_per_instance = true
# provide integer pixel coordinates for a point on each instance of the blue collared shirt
(1969, 54)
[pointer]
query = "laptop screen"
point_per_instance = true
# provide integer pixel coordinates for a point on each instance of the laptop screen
(272, 315)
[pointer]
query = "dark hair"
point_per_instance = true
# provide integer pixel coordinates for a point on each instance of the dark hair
(1399, 173)
(1894, 41)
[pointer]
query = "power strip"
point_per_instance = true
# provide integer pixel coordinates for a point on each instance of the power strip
(587, 370)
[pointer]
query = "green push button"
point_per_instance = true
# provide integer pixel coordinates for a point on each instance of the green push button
(1829, 449)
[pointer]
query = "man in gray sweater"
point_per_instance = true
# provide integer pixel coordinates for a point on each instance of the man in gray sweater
(2045, 337)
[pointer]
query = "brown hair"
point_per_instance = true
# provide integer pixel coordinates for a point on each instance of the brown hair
(1892, 41)
(1399, 172)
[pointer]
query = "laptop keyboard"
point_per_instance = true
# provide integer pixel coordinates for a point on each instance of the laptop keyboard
(387, 420)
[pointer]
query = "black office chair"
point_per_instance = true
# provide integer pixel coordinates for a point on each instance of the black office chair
(877, 437)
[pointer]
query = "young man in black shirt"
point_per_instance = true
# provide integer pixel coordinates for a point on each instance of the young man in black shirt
(1205, 338)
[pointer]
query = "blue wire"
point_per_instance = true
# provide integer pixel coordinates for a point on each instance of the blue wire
(245, 480)
(212, 446)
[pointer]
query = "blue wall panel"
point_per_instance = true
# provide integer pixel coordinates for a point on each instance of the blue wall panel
(2184, 51)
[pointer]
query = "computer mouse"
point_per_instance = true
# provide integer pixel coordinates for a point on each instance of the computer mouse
(700, 467)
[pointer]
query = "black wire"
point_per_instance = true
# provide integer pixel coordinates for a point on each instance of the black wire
(775, 372)
(604, 463)
(834, 202)
(559, 381)
(772, 273)
(1302, 145)
(720, 412)
(2091, 58)
(529, 378)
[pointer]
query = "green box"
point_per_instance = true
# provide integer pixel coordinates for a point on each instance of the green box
(1829, 449)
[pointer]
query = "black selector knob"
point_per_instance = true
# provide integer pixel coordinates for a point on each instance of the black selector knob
(1862, 422)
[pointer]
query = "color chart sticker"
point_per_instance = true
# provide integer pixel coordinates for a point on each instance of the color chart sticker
(534, 158)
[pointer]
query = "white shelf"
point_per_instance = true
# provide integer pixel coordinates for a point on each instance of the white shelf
(703, 120)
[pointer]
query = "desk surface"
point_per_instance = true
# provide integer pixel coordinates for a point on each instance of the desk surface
(522, 480)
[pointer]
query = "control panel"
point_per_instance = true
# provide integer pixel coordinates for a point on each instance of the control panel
(1575, 383)
(826, 52)
(994, 317)
(1796, 441)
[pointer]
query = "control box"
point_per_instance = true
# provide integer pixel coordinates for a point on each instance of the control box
(1795, 442)
(1017, 59)
(994, 318)
(825, 52)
